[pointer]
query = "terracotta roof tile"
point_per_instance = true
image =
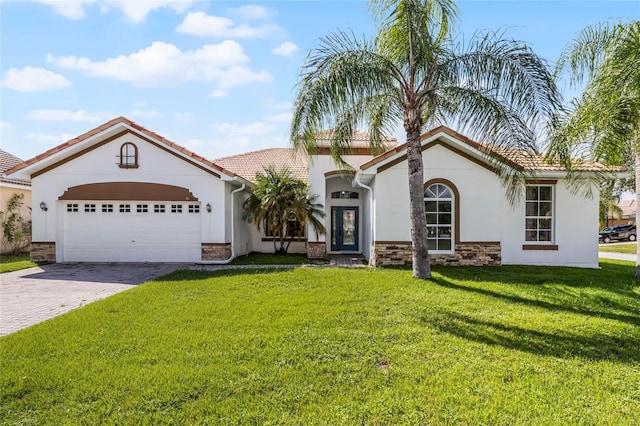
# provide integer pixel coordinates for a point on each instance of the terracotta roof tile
(7, 162)
(108, 125)
(628, 207)
(359, 139)
(510, 156)
(248, 164)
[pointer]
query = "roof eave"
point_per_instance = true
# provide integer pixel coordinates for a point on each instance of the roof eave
(25, 170)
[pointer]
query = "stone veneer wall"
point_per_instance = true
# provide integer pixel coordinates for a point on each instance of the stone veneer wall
(466, 254)
(316, 250)
(216, 251)
(43, 251)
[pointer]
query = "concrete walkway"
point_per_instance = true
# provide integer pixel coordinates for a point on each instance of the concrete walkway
(33, 295)
(618, 256)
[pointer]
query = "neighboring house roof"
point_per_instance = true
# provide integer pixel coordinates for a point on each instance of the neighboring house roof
(628, 207)
(247, 165)
(109, 125)
(7, 162)
(510, 156)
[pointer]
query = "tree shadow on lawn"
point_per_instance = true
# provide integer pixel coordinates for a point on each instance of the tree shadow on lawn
(576, 307)
(196, 275)
(616, 277)
(596, 347)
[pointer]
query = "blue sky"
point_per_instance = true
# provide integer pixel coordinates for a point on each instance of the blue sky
(216, 77)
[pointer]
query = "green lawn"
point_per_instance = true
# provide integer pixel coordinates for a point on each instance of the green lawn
(10, 263)
(271, 259)
(619, 248)
(481, 346)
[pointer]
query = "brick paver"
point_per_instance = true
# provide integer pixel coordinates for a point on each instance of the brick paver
(33, 295)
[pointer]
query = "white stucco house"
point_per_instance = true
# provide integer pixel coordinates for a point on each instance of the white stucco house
(121, 192)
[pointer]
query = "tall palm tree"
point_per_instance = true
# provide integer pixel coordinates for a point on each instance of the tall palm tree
(277, 199)
(494, 89)
(603, 124)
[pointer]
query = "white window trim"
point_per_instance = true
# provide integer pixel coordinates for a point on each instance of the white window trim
(552, 241)
(453, 219)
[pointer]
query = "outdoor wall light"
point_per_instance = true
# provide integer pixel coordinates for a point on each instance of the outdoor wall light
(43, 206)
(208, 207)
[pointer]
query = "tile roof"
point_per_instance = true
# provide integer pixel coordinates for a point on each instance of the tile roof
(248, 164)
(509, 156)
(359, 139)
(628, 207)
(106, 126)
(9, 161)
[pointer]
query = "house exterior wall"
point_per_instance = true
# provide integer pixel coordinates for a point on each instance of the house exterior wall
(480, 204)
(322, 186)
(155, 166)
(576, 232)
(7, 191)
(491, 230)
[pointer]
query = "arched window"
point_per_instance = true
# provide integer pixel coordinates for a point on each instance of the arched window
(438, 205)
(128, 156)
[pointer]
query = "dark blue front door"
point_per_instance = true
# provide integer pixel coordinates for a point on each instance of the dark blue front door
(344, 229)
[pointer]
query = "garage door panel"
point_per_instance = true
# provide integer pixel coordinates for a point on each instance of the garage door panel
(130, 236)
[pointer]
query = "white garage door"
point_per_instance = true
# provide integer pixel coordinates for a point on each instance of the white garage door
(130, 231)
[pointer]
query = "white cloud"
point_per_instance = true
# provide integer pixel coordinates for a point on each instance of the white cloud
(287, 48)
(72, 9)
(137, 10)
(80, 116)
(163, 64)
(49, 139)
(284, 117)
(232, 138)
(30, 79)
(219, 94)
(250, 12)
(203, 25)
(134, 10)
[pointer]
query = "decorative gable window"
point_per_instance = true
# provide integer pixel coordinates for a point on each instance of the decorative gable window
(128, 156)
(438, 205)
(539, 214)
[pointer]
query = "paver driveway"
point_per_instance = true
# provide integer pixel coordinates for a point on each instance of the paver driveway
(34, 295)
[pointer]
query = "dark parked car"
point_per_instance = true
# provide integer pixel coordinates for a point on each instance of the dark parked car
(619, 232)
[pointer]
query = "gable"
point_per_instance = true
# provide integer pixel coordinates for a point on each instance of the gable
(114, 130)
(485, 155)
(104, 155)
(433, 146)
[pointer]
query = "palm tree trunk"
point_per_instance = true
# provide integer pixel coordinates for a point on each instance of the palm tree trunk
(637, 209)
(420, 252)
